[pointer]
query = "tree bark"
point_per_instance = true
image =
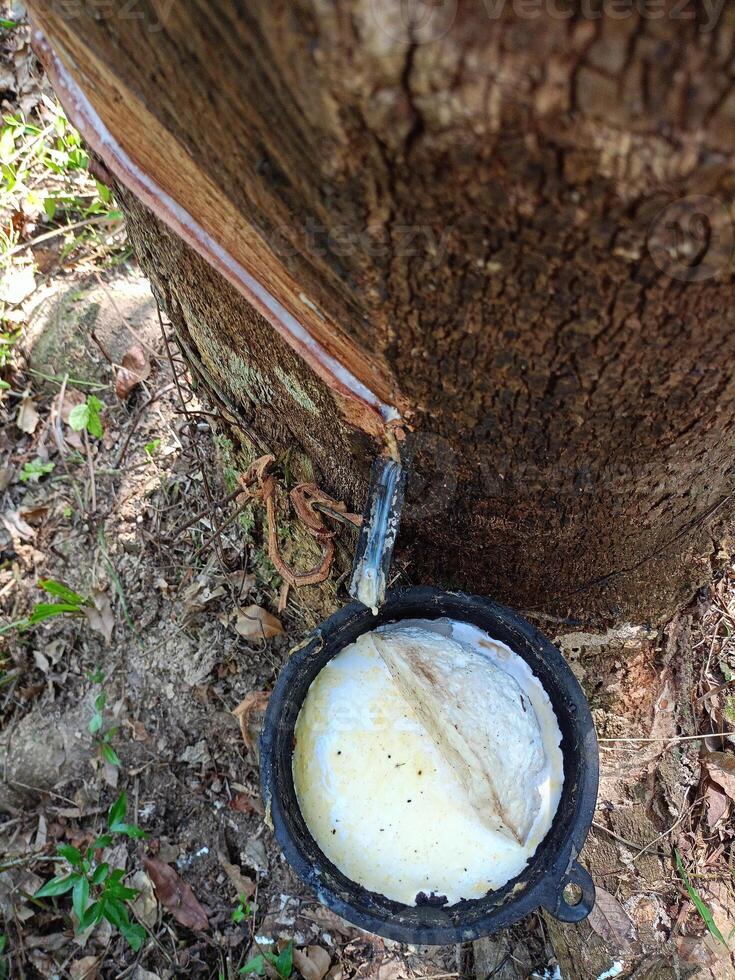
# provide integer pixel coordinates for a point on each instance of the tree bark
(501, 232)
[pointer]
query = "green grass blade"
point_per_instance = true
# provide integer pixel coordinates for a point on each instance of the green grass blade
(698, 903)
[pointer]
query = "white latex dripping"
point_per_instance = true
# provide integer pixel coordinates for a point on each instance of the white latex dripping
(478, 718)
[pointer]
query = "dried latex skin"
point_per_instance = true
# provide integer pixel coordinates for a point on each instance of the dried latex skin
(478, 718)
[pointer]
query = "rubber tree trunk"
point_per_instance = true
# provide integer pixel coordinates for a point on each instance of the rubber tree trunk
(501, 231)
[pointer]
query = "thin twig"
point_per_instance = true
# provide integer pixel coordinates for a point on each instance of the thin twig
(96, 219)
(136, 421)
(202, 513)
(126, 325)
(671, 738)
(90, 467)
(220, 528)
(102, 350)
(666, 832)
(628, 843)
(59, 440)
(195, 445)
(28, 859)
(58, 432)
(75, 381)
(716, 690)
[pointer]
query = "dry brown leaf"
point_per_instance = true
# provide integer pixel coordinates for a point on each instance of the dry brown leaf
(51, 942)
(312, 962)
(240, 581)
(718, 804)
(85, 969)
(256, 701)
(28, 417)
(242, 803)
(175, 895)
(99, 616)
(198, 595)
(240, 882)
(140, 974)
(328, 921)
(721, 769)
(34, 515)
(610, 920)
(16, 526)
(144, 905)
(136, 367)
(138, 729)
(694, 952)
(392, 968)
(255, 623)
(74, 439)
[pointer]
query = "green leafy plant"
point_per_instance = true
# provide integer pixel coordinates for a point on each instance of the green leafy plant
(97, 891)
(34, 470)
(44, 174)
(282, 963)
(242, 911)
(9, 337)
(699, 904)
(70, 604)
(152, 447)
(87, 416)
(102, 739)
(66, 153)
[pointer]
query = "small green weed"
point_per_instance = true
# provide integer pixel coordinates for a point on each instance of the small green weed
(242, 911)
(9, 337)
(699, 904)
(102, 739)
(71, 604)
(34, 470)
(283, 963)
(98, 891)
(87, 417)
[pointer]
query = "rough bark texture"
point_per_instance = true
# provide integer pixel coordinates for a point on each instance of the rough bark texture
(515, 225)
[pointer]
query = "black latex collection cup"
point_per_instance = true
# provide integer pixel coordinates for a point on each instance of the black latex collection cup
(545, 881)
